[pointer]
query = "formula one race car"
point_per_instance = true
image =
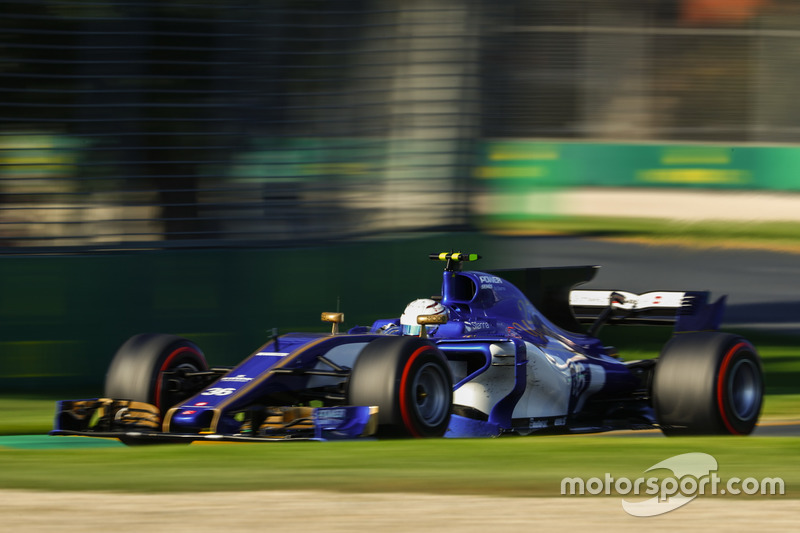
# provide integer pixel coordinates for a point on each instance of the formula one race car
(498, 352)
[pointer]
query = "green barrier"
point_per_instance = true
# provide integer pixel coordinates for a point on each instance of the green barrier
(63, 317)
(511, 166)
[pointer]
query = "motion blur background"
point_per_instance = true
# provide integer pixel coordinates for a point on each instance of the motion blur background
(219, 168)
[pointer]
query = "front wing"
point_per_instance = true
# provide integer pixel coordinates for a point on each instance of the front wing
(138, 422)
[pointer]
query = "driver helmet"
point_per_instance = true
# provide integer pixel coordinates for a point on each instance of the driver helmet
(424, 306)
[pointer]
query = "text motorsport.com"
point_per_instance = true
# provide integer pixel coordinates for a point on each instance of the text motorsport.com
(694, 474)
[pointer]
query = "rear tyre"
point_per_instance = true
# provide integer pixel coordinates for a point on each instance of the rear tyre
(708, 383)
(410, 382)
(138, 369)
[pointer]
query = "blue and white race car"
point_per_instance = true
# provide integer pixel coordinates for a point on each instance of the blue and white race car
(496, 353)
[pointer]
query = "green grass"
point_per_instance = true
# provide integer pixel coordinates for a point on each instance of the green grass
(513, 466)
(26, 415)
(780, 235)
(781, 406)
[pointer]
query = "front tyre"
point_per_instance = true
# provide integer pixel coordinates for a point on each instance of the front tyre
(708, 383)
(408, 378)
(140, 368)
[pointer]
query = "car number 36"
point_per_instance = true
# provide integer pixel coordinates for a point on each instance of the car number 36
(218, 391)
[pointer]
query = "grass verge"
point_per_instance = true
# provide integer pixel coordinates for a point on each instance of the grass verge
(783, 236)
(514, 466)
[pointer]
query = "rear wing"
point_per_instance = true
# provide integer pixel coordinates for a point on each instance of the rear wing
(688, 311)
(552, 291)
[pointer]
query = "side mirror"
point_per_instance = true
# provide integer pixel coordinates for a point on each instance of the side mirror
(428, 320)
(335, 319)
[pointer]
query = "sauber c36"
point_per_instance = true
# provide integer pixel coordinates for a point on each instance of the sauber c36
(501, 352)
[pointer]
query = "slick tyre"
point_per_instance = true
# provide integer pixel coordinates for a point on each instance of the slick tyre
(137, 370)
(708, 383)
(409, 380)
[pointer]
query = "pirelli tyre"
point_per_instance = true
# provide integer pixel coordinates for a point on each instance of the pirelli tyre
(410, 382)
(708, 383)
(154, 368)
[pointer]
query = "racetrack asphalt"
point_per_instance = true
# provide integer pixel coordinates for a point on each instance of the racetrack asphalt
(762, 287)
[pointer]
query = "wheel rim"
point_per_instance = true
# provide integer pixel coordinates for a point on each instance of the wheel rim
(430, 392)
(170, 365)
(744, 389)
(181, 370)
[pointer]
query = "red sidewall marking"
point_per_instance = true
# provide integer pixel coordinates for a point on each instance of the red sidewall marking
(721, 396)
(165, 365)
(405, 412)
